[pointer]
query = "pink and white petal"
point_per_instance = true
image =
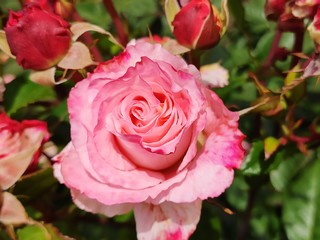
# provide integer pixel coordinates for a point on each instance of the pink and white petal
(79, 106)
(93, 206)
(118, 66)
(76, 177)
(14, 165)
(214, 75)
(58, 160)
(224, 135)
(12, 211)
(204, 179)
(167, 221)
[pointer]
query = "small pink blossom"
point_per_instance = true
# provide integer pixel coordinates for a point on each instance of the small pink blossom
(214, 75)
(20, 146)
(147, 136)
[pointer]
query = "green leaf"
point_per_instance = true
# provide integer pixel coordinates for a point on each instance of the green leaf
(237, 10)
(61, 111)
(290, 164)
(20, 93)
(33, 232)
(255, 162)
(301, 212)
(54, 233)
(35, 184)
(94, 12)
(251, 165)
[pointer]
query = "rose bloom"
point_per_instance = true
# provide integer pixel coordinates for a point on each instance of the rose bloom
(38, 38)
(20, 147)
(147, 136)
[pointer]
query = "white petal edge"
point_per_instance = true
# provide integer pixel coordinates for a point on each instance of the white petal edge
(167, 221)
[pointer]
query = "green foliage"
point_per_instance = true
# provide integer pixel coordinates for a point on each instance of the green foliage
(23, 92)
(301, 212)
(32, 232)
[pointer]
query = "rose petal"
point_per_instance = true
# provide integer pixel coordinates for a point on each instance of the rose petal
(214, 75)
(14, 165)
(105, 192)
(94, 206)
(167, 221)
(12, 211)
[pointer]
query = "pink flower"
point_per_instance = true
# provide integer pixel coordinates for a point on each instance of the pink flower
(214, 75)
(147, 136)
(20, 146)
(38, 38)
(197, 25)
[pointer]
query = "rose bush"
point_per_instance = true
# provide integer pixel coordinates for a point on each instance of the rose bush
(20, 147)
(37, 37)
(147, 136)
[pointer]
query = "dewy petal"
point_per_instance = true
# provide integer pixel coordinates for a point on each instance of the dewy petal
(12, 211)
(91, 205)
(167, 221)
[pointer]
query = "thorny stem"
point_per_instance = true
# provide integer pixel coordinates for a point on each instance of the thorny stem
(123, 38)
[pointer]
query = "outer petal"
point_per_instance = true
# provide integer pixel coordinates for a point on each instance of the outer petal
(12, 211)
(204, 179)
(167, 221)
(79, 179)
(14, 165)
(119, 65)
(94, 206)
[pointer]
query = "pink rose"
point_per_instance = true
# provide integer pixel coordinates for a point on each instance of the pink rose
(38, 38)
(147, 136)
(20, 146)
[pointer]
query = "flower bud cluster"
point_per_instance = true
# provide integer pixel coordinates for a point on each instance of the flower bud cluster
(291, 13)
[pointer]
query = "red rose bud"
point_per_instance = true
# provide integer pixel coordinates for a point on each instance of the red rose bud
(38, 38)
(198, 25)
(274, 8)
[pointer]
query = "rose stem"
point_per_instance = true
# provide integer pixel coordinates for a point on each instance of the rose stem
(274, 47)
(297, 45)
(123, 38)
